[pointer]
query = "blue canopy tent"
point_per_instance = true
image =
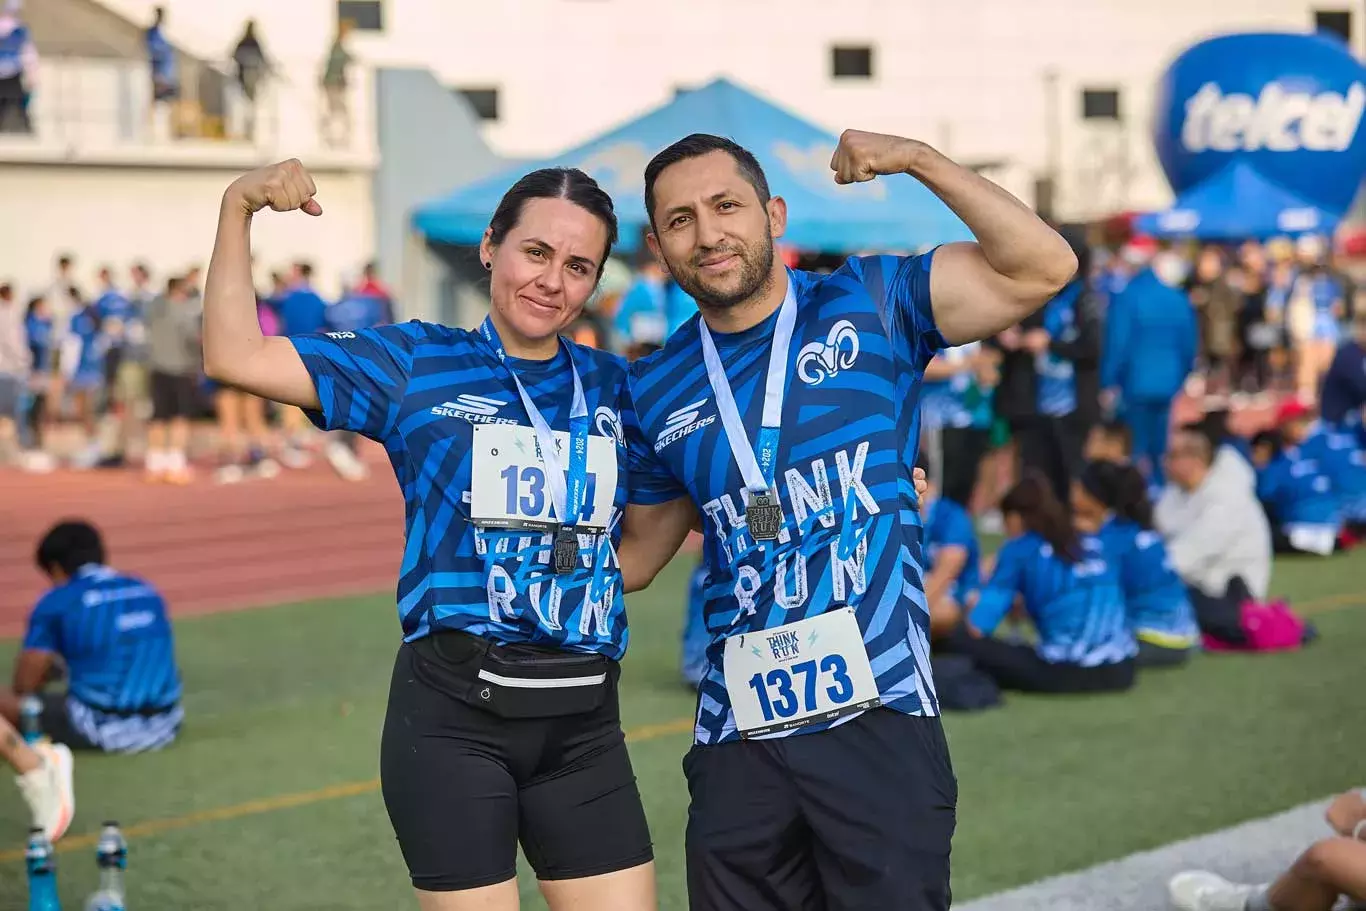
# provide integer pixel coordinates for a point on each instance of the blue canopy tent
(889, 213)
(1238, 202)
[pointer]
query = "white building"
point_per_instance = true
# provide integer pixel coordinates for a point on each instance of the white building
(1025, 89)
(1003, 82)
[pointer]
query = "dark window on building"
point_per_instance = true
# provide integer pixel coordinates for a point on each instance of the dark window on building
(483, 101)
(366, 15)
(1336, 22)
(851, 62)
(1100, 104)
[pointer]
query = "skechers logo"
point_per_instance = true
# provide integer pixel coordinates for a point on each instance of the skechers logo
(818, 361)
(681, 423)
(476, 409)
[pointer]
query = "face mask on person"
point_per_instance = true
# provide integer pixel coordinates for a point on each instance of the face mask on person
(1170, 268)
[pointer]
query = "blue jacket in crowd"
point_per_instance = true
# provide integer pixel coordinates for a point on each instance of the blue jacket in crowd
(1150, 340)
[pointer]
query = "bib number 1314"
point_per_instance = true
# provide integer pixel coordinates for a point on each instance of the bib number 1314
(810, 671)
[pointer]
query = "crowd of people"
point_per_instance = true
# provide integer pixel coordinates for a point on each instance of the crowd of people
(121, 369)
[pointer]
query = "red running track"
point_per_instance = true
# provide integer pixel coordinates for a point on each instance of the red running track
(208, 547)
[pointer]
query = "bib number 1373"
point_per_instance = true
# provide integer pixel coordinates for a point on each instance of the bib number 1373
(809, 671)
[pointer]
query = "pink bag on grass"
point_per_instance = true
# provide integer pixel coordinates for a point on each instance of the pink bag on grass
(1269, 626)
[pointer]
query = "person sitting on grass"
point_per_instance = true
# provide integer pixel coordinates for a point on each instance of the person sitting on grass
(1301, 506)
(952, 561)
(1112, 501)
(1217, 535)
(111, 632)
(1331, 868)
(1071, 593)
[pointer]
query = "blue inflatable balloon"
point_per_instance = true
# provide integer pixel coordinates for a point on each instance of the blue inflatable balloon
(1288, 104)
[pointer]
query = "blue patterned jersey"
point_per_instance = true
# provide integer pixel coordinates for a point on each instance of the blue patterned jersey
(113, 633)
(1077, 607)
(850, 426)
(947, 524)
(420, 389)
(1155, 598)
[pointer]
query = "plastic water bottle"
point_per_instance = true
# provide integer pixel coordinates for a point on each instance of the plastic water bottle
(31, 718)
(111, 853)
(42, 873)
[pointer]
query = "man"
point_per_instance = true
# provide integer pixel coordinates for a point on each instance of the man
(18, 70)
(1149, 350)
(15, 363)
(173, 358)
(121, 324)
(1217, 535)
(812, 548)
(112, 633)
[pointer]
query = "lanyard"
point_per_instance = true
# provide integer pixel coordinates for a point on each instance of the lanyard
(567, 500)
(758, 473)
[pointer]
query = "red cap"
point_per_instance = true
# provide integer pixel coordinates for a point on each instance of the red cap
(1292, 410)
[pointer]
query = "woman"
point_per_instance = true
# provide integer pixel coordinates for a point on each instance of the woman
(1071, 594)
(503, 720)
(1111, 500)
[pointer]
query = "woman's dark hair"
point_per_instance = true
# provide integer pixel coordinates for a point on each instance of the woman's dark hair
(1033, 500)
(68, 546)
(1120, 489)
(556, 183)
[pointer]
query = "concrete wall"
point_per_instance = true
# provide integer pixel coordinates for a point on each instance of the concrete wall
(167, 218)
(429, 144)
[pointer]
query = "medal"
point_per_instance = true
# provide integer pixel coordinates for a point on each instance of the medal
(763, 514)
(763, 509)
(565, 558)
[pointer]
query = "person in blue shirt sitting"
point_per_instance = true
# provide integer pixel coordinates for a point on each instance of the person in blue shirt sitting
(952, 562)
(1072, 594)
(1339, 456)
(696, 638)
(111, 632)
(1295, 492)
(1111, 500)
(1298, 498)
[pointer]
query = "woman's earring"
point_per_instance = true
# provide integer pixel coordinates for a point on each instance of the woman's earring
(488, 265)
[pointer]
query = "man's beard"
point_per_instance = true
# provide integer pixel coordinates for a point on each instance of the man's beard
(756, 270)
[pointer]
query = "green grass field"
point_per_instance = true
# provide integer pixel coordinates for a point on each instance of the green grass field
(270, 800)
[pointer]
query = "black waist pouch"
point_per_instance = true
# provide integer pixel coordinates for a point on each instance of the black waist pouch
(513, 681)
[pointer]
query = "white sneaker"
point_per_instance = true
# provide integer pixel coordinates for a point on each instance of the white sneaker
(49, 790)
(1200, 891)
(345, 463)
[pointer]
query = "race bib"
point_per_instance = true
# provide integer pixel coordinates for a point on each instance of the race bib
(508, 486)
(809, 671)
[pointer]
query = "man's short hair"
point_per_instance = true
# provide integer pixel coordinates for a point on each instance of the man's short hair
(695, 146)
(68, 546)
(1199, 438)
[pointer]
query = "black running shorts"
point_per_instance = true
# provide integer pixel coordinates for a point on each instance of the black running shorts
(855, 818)
(463, 786)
